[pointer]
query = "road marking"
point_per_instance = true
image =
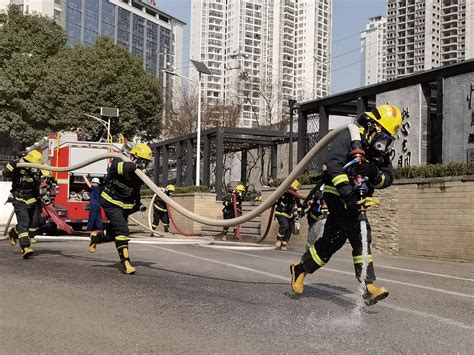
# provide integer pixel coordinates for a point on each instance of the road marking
(378, 278)
(323, 288)
(401, 269)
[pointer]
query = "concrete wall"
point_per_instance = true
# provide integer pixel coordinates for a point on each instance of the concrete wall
(457, 118)
(425, 217)
(5, 209)
(411, 145)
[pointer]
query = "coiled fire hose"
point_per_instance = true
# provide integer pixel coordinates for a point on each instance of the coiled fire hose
(355, 135)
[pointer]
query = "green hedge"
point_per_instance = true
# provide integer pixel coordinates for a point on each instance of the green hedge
(412, 172)
(434, 170)
(180, 190)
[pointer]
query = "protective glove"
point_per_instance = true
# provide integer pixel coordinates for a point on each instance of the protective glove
(369, 201)
(350, 200)
(367, 169)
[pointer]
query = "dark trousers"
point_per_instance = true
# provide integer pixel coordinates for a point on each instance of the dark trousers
(95, 220)
(340, 226)
(117, 229)
(285, 228)
(160, 216)
(28, 221)
(229, 214)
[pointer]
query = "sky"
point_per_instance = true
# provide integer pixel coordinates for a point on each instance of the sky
(349, 19)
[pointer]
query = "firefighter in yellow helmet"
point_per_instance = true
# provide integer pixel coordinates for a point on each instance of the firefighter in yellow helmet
(160, 209)
(25, 200)
(287, 212)
(228, 211)
(379, 130)
(119, 199)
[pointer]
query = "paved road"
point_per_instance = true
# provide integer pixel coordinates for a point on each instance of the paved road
(189, 299)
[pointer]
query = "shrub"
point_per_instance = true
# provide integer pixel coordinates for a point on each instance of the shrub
(180, 190)
(434, 170)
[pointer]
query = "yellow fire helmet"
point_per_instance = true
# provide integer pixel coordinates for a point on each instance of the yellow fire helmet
(388, 116)
(34, 157)
(240, 188)
(142, 150)
(295, 185)
(171, 188)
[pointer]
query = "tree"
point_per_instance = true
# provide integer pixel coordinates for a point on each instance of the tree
(26, 43)
(81, 79)
(46, 86)
(182, 115)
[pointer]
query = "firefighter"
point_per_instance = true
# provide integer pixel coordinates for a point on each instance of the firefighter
(160, 210)
(25, 200)
(287, 212)
(95, 219)
(315, 209)
(228, 202)
(378, 132)
(119, 199)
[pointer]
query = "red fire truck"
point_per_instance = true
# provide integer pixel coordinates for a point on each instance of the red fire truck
(64, 149)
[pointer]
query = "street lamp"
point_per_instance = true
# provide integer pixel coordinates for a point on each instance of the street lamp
(202, 69)
(108, 112)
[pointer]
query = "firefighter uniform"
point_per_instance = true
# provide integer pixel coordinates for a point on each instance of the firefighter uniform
(228, 209)
(25, 200)
(343, 221)
(119, 199)
(287, 208)
(160, 210)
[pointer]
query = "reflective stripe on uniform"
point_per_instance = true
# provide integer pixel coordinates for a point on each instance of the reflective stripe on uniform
(28, 202)
(315, 256)
(331, 190)
(23, 235)
(339, 179)
(359, 259)
(277, 213)
(126, 206)
(120, 168)
(122, 238)
(380, 184)
(33, 229)
(9, 167)
(160, 209)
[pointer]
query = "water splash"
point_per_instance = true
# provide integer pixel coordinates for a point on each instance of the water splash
(360, 304)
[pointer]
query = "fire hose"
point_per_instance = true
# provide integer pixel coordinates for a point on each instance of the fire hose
(355, 135)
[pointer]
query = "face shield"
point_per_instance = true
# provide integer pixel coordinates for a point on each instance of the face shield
(380, 145)
(141, 163)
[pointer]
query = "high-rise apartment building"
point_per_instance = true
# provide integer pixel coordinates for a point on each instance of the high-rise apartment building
(373, 51)
(424, 34)
(137, 25)
(262, 53)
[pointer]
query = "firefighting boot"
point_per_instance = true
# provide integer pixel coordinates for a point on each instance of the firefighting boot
(167, 228)
(278, 244)
(284, 246)
(96, 237)
(297, 278)
(373, 294)
(12, 236)
(25, 246)
(126, 265)
(27, 252)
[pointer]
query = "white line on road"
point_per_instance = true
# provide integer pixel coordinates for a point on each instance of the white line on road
(322, 288)
(401, 269)
(378, 278)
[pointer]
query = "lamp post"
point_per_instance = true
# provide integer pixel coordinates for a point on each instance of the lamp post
(202, 69)
(292, 104)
